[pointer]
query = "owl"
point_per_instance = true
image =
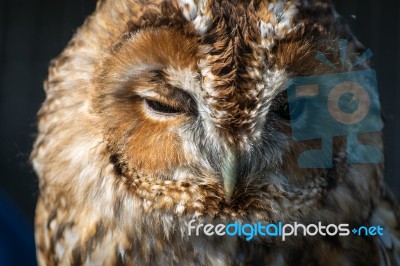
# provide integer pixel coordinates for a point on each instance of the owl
(162, 114)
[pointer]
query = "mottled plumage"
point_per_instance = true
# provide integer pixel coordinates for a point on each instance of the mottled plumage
(162, 111)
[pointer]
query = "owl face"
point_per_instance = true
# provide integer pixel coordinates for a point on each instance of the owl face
(169, 125)
(163, 112)
(191, 101)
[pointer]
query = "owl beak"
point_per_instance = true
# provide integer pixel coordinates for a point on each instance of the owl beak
(229, 171)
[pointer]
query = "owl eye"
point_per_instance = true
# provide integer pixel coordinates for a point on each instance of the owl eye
(280, 106)
(294, 112)
(283, 111)
(162, 108)
(289, 111)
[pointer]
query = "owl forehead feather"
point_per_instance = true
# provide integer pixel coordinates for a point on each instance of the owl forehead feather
(276, 16)
(238, 33)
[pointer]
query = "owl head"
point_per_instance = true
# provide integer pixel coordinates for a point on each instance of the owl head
(181, 108)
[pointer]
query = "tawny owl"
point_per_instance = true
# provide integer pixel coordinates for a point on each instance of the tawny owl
(164, 114)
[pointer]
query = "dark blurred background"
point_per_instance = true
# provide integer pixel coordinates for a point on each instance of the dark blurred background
(32, 32)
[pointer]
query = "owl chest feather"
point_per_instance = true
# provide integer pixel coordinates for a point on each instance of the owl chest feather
(66, 238)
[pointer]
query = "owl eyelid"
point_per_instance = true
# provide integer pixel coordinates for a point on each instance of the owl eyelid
(164, 93)
(151, 95)
(172, 98)
(162, 108)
